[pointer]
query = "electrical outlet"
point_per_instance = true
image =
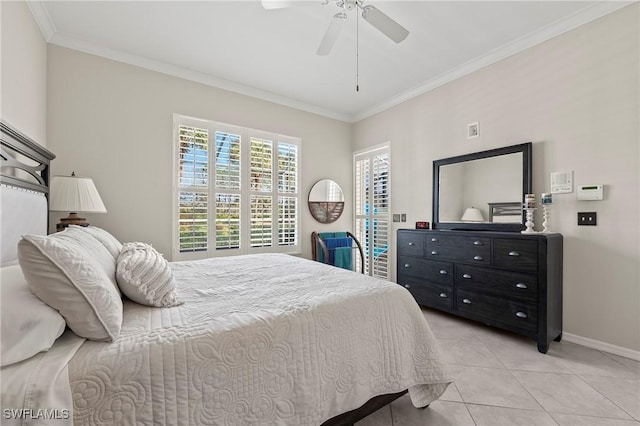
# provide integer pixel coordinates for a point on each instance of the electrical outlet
(403, 217)
(587, 218)
(396, 218)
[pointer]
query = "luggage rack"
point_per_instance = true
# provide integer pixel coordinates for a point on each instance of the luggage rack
(323, 247)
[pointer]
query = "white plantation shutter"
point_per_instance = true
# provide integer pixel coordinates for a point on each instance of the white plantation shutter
(372, 212)
(380, 202)
(287, 221)
(261, 207)
(287, 194)
(228, 190)
(193, 181)
(237, 190)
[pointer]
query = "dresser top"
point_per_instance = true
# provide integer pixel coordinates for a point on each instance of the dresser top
(500, 234)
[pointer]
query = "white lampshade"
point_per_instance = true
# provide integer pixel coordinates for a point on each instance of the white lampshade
(472, 214)
(74, 194)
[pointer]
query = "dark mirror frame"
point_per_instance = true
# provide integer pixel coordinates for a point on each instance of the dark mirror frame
(524, 148)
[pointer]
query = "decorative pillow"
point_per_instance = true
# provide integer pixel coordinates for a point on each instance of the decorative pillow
(145, 277)
(71, 272)
(28, 325)
(110, 242)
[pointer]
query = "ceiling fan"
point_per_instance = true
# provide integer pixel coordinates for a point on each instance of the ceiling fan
(371, 14)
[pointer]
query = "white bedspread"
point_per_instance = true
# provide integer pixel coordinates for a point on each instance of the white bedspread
(262, 339)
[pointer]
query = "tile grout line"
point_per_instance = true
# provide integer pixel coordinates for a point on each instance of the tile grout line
(607, 398)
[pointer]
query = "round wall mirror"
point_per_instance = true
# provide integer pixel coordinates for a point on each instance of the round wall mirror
(326, 201)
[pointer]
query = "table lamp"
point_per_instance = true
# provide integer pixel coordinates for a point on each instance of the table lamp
(74, 194)
(472, 214)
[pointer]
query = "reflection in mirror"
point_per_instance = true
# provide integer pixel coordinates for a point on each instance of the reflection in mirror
(480, 190)
(326, 201)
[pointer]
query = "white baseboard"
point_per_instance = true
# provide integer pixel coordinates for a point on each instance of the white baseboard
(602, 346)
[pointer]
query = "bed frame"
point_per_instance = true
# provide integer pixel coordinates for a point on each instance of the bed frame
(15, 145)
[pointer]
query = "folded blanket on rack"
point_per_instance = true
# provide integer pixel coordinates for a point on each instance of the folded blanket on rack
(339, 249)
(343, 258)
(326, 235)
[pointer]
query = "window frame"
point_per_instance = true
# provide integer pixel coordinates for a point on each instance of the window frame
(245, 192)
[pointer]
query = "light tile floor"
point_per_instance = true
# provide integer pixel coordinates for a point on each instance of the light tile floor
(502, 379)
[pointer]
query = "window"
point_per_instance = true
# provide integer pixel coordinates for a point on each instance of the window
(237, 190)
(372, 213)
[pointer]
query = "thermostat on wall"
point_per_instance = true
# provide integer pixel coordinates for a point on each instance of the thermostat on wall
(590, 192)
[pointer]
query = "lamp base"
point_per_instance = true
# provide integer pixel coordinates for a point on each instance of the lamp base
(72, 219)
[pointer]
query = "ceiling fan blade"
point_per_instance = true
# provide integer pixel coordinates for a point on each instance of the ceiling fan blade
(332, 33)
(276, 4)
(384, 24)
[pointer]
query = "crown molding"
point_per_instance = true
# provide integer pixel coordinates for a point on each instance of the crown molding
(42, 18)
(187, 74)
(516, 46)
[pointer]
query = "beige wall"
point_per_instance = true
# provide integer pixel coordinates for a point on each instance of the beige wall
(577, 98)
(113, 122)
(24, 71)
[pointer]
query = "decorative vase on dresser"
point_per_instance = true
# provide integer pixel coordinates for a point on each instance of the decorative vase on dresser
(504, 279)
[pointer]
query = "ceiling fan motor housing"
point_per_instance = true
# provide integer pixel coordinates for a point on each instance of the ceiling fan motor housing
(347, 4)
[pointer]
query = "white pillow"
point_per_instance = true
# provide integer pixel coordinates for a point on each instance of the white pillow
(145, 277)
(27, 324)
(110, 242)
(71, 272)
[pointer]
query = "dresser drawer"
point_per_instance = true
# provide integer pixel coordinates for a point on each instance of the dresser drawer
(515, 254)
(500, 283)
(411, 244)
(436, 272)
(429, 294)
(459, 248)
(497, 310)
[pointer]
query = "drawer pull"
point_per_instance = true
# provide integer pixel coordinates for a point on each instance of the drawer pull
(411, 244)
(478, 243)
(443, 295)
(407, 286)
(435, 240)
(477, 258)
(514, 253)
(443, 272)
(434, 253)
(467, 301)
(521, 285)
(406, 265)
(467, 276)
(521, 314)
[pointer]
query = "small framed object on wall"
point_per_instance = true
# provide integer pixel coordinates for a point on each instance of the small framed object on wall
(422, 225)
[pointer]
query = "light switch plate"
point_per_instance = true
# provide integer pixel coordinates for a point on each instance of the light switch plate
(587, 218)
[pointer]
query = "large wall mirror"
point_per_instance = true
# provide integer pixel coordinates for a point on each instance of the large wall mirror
(483, 190)
(326, 201)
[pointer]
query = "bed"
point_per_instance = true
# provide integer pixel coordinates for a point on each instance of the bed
(259, 339)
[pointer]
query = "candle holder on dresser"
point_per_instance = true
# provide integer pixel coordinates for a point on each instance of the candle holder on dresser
(547, 200)
(545, 218)
(529, 221)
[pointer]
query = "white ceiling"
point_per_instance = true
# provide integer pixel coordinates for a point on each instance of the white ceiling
(270, 54)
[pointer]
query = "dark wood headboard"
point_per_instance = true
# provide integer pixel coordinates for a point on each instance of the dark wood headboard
(14, 171)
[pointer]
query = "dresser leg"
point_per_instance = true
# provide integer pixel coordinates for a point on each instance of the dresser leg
(557, 339)
(543, 347)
